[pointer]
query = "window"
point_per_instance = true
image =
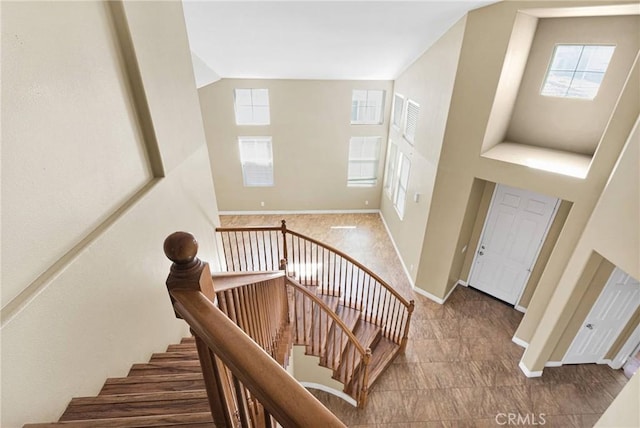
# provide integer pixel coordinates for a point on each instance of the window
(252, 106)
(257, 161)
(412, 121)
(366, 107)
(390, 169)
(398, 109)
(363, 161)
(576, 71)
(404, 164)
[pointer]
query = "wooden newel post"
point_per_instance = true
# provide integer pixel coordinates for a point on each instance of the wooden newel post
(188, 272)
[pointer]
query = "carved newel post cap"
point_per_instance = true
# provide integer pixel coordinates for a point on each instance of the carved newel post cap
(181, 248)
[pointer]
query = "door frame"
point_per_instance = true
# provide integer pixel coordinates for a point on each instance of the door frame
(537, 254)
(628, 349)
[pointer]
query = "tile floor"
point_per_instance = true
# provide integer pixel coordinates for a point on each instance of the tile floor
(460, 368)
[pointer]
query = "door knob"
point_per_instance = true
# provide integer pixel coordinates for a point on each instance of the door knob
(481, 252)
(589, 326)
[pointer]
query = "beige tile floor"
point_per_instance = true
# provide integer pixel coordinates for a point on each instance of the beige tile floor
(460, 368)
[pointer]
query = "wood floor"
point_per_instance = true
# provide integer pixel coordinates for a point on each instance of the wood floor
(460, 368)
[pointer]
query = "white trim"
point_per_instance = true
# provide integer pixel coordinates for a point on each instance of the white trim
(331, 391)
(519, 342)
(553, 364)
(527, 372)
(406, 271)
(463, 283)
(432, 297)
(520, 308)
(265, 212)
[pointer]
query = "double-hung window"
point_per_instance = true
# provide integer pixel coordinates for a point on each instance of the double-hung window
(367, 107)
(390, 168)
(399, 199)
(412, 121)
(252, 106)
(363, 161)
(576, 71)
(256, 158)
(398, 110)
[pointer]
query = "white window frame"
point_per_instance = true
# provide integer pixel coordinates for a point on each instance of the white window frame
(379, 109)
(246, 163)
(355, 180)
(573, 91)
(390, 168)
(396, 121)
(253, 106)
(408, 133)
(400, 192)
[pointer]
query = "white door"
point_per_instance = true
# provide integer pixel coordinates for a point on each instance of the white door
(610, 313)
(513, 233)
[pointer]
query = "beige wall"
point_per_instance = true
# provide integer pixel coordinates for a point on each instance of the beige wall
(310, 129)
(623, 412)
(559, 123)
(105, 306)
(429, 82)
(613, 231)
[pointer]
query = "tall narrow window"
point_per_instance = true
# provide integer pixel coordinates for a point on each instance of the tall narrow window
(257, 161)
(576, 71)
(404, 165)
(363, 161)
(252, 106)
(367, 107)
(398, 109)
(390, 168)
(412, 121)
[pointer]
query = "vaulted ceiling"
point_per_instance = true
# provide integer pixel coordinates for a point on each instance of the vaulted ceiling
(363, 40)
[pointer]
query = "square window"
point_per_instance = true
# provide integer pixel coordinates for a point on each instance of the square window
(252, 106)
(398, 110)
(367, 107)
(363, 161)
(576, 71)
(412, 121)
(256, 158)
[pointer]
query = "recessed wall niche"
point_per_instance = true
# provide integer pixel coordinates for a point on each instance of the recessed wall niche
(558, 134)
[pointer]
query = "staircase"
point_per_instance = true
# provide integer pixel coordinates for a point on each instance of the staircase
(167, 391)
(280, 289)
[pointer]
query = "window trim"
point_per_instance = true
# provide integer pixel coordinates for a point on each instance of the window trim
(390, 169)
(381, 118)
(405, 135)
(398, 125)
(574, 71)
(364, 182)
(243, 162)
(399, 180)
(253, 122)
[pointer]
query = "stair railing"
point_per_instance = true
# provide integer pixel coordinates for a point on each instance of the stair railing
(325, 334)
(223, 346)
(312, 262)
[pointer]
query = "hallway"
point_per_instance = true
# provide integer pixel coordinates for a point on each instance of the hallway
(460, 368)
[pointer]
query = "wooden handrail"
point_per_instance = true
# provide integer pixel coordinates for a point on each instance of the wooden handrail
(336, 319)
(191, 290)
(347, 257)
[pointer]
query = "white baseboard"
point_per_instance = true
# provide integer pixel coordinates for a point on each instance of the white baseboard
(395, 247)
(520, 308)
(519, 342)
(275, 212)
(428, 295)
(553, 364)
(527, 372)
(331, 391)
(463, 283)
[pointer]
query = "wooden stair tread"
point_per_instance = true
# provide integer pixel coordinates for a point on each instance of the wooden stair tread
(145, 404)
(189, 339)
(336, 345)
(321, 325)
(182, 347)
(183, 420)
(383, 354)
(152, 383)
(174, 356)
(368, 336)
(165, 367)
